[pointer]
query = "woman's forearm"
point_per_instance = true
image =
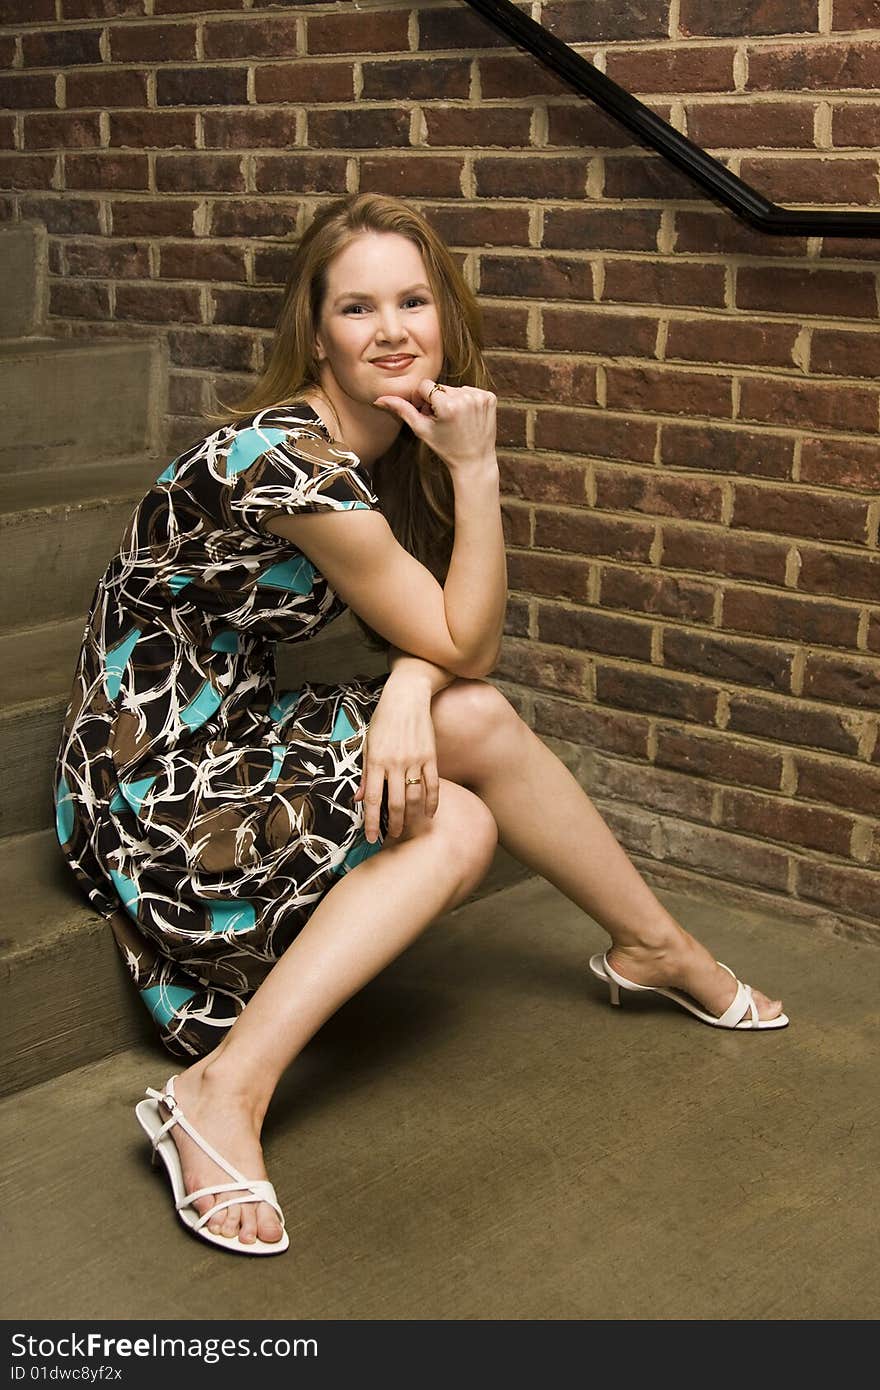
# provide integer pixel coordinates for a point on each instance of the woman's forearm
(415, 670)
(475, 592)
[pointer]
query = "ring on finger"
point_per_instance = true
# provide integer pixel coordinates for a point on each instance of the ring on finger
(436, 387)
(411, 781)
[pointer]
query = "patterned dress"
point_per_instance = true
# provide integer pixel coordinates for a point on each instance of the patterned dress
(204, 812)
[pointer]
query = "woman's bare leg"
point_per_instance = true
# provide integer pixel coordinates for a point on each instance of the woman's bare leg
(372, 914)
(547, 822)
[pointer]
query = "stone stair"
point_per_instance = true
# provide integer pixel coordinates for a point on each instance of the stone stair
(83, 440)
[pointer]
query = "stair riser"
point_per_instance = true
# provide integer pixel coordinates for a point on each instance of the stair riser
(23, 285)
(52, 560)
(65, 408)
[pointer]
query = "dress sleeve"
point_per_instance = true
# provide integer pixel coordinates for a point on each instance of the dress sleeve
(300, 473)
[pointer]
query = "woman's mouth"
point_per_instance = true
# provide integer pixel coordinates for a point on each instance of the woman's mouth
(399, 362)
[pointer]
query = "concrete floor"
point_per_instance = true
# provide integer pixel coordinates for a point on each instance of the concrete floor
(479, 1135)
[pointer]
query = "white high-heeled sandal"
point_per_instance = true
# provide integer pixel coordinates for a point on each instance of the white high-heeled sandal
(734, 1015)
(247, 1189)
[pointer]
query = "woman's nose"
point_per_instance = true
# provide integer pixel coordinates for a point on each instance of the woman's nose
(391, 328)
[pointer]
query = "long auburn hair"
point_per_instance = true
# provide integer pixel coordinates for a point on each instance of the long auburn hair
(413, 485)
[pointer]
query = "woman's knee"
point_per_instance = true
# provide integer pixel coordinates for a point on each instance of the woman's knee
(473, 705)
(473, 724)
(464, 829)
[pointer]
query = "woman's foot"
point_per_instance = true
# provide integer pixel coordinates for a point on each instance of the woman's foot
(680, 962)
(227, 1122)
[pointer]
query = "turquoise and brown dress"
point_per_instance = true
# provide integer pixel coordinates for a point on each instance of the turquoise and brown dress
(204, 812)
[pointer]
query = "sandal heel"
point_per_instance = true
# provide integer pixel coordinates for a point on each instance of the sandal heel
(614, 991)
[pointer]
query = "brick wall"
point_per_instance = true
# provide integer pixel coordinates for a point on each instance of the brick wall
(691, 462)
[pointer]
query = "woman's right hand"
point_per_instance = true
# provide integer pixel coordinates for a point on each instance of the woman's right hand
(458, 423)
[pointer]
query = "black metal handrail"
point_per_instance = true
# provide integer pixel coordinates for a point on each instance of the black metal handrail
(709, 173)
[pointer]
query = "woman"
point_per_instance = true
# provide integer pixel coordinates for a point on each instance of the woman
(231, 832)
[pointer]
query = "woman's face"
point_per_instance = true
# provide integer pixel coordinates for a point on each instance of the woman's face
(379, 327)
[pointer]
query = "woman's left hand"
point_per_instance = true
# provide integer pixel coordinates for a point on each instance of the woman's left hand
(400, 743)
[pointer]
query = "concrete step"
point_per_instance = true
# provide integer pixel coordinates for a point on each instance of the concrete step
(67, 996)
(58, 531)
(67, 403)
(36, 672)
(24, 283)
(477, 1134)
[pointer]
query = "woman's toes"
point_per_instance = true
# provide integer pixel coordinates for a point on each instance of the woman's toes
(247, 1232)
(269, 1227)
(232, 1221)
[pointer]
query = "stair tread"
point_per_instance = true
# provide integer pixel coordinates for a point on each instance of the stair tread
(47, 489)
(36, 664)
(37, 346)
(42, 900)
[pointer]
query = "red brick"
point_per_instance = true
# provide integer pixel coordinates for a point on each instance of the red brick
(670, 391)
(184, 394)
(302, 82)
(587, 126)
(253, 217)
(796, 290)
(650, 592)
(554, 576)
(196, 6)
(539, 378)
(740, 124)
(800, 403)
(597, 728)
(511, 422)
(536, 277)
(724, 855)
(585, 533)
(854, 14)
(249, 308)
(795, 619)
(728, 659)
(874, 646)
(843, 784)
(28, 11)
(198, 173)
(776, 818)
(599, 21)
(842, 575)
(211, 347)
(63, 214)
(113, 171)
(842, 888)
(27, 90)
(248, 129)
(844, 680)
(154, 43)
(663, 282)
(300, 173)
(457, 28)
(379, 31)
(851, 248)
(655, 694)
(658, 494)
(434, 176)
(103, 90)
(692, 68)
(118, 260)
(645, 176)
(730, 340)
(540, 669)
(27, 170)
(608, 229)
(504, 326)
(100, 9)
(834, 179)
(634, 829)
(482, 126)
(204, 86)
(841, 463)
(60, 48)
(791, 722)
(726, 450)
(719, 756)
(703, 17)
(815, 65)
(250, 38)
(655, 789)
(855, 126)
(341, 130)
(190, 260)
(843, 352)
(595, 433)
(549, 176)
(153, 129)
(146, 217)
(271, 265)
(597, 331)
(794, 512)
(516, 622)
(483, 225)
(62, 130)
(7, 132)
(543, 480)
(416, 79)
(718, 552)
(713, 232)
(157, 303)
(79, 299)
(514, 77)
(587, 629)
(515, 525)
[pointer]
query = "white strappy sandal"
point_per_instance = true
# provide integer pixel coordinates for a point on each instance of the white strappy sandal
(247, 1189)
(742, 1012)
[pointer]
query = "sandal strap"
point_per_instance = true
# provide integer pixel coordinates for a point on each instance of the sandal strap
(737, 1008)
(168, 1099)
(236, 1201)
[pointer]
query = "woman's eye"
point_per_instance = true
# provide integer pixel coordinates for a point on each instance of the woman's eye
(351, 308)
(414, 300)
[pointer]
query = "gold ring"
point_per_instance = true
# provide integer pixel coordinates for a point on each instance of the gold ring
(436, 387)
(411, 781)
